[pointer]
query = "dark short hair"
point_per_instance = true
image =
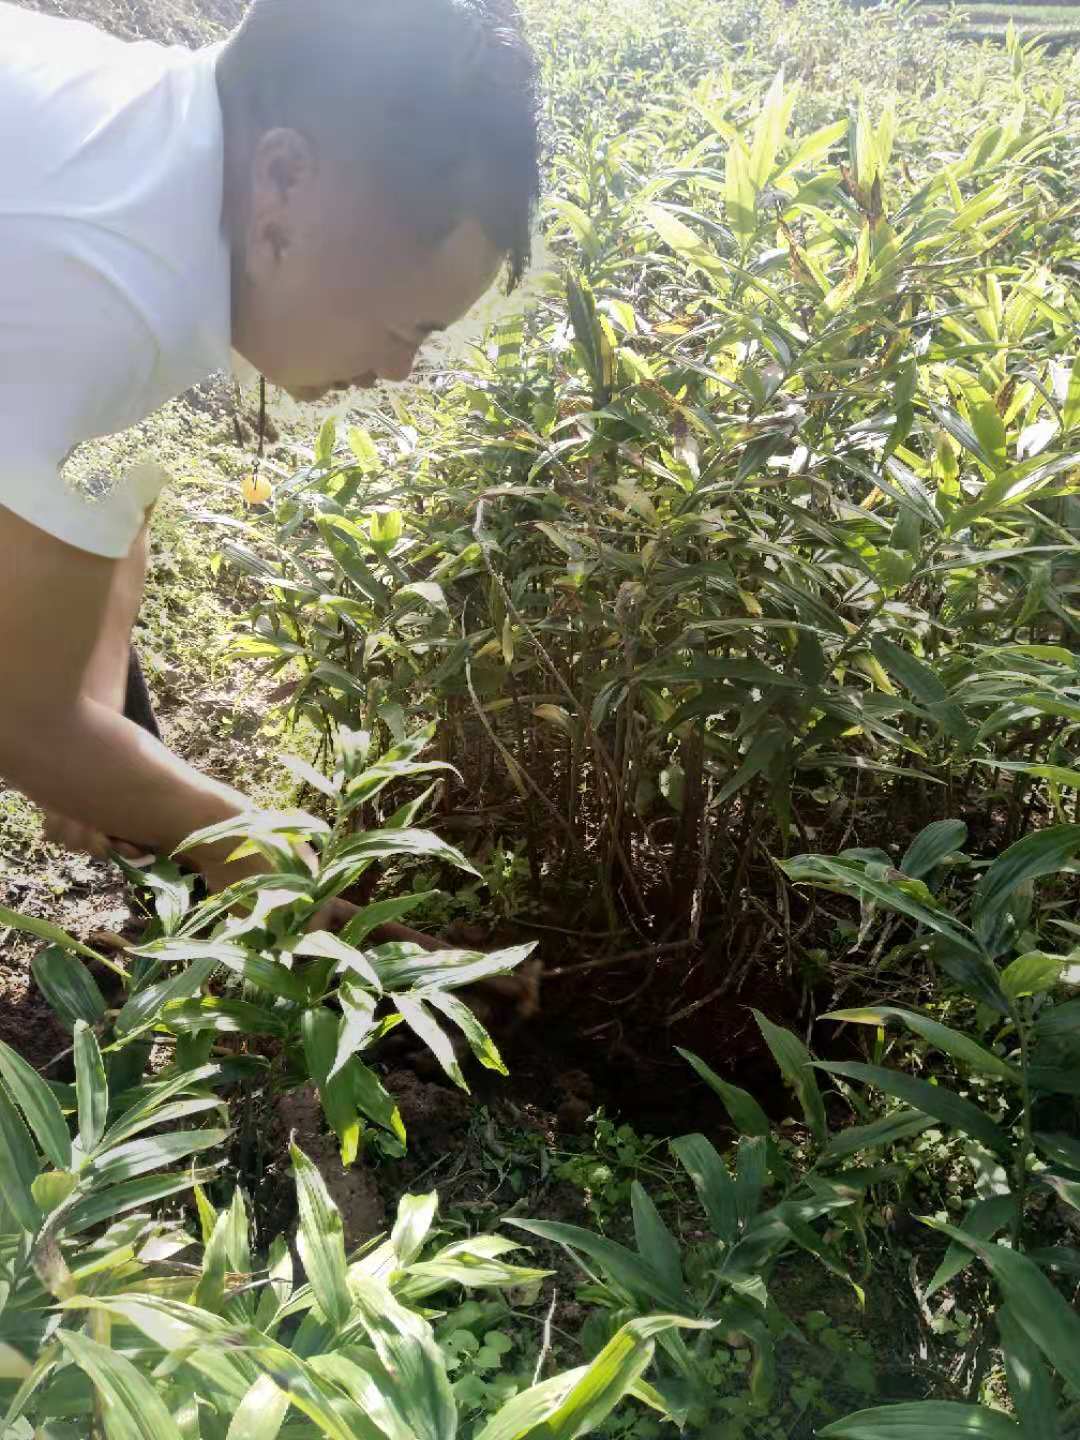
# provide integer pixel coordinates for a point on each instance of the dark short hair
(437, 98)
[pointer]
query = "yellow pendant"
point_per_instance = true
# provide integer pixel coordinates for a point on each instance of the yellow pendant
(257, 490)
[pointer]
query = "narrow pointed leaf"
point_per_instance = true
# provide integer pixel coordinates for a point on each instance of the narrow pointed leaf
(941, 1419)
(630, 1271)
(950, 1042)
(795, 1064)
(91, 1087)
(68, 986)
(934, 1100)
(746, 1114)
(321, 1241)
(134, 1408)
(653, 1239)
(713, 1183)
(261, 1413)
(39, 1105)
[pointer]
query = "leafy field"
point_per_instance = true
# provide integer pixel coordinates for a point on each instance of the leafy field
(1056, 25)
(734, 572)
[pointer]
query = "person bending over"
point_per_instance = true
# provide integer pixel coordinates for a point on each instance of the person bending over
(318, 193)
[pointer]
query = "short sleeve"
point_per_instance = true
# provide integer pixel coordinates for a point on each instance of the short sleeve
(75, 363)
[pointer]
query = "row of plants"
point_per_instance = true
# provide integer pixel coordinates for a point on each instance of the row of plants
(112, 1309)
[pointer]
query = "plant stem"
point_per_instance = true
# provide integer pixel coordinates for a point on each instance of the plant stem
(1027, 1144)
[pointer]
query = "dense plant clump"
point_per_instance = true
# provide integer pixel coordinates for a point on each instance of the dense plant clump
(733, 575)
(769, 496)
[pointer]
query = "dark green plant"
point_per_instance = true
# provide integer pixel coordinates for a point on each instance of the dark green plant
(147, 1335)
(312, 1002)
(748, 501)
(1013, 1101)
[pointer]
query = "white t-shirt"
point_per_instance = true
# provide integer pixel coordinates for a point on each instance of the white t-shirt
(114, 267)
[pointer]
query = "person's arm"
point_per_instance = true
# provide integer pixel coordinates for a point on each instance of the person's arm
(61, 632)
(106, 675)
(106, 681)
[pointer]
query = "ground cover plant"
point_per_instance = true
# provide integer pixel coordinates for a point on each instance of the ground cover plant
(712, 616)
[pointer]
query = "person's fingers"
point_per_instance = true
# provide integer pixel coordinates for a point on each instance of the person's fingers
(81, 839)
(134, 853)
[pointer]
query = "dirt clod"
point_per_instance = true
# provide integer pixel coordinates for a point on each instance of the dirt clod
(355, 1191)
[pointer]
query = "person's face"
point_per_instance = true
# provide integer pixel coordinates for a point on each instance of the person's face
(330, 291)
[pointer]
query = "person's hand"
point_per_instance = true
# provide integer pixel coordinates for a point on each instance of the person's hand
(85, 840)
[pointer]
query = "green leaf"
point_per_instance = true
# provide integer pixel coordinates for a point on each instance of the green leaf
(1030, 1387)
(769, 129)
(68, 986)
(373, 1099)
(919, 680)
(224, 1017)
(604, 1384)
(321, 1242)
(401, 965)
(261, 1413)
(392, 844)
(993, 438)
(431, 594)
(39, 1105)
(147, 1005)
(210, 1292)
(415, 1014)
(524, 1414)
(900, 1125)
(746, 1114)
(960, 430)
(19, 1166)
(1043, 853)
(760, 759)
(323, 944)
(985, 1218)
(740, 196)
(899, 892)
(633, 1273)
(795, 1064)
(1039, 1310)
(950, 1042)
(306, 773)
(1031, 974)
(131, 1195)
(420, 1389)
(44, 930)
(324, 446)
(480, 1042)
(136, 1157)
(1070, 411)
(474, 1263)
(926, 1420)
(751, 1171)
(91, 1087)
(134, 1408)
(679, 236)
(415, 1217)
(933, 1100)
(371, 916)
(259, 970)
(655, 1242)
(713, 1183)
(320, 1029)
(931, 846)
